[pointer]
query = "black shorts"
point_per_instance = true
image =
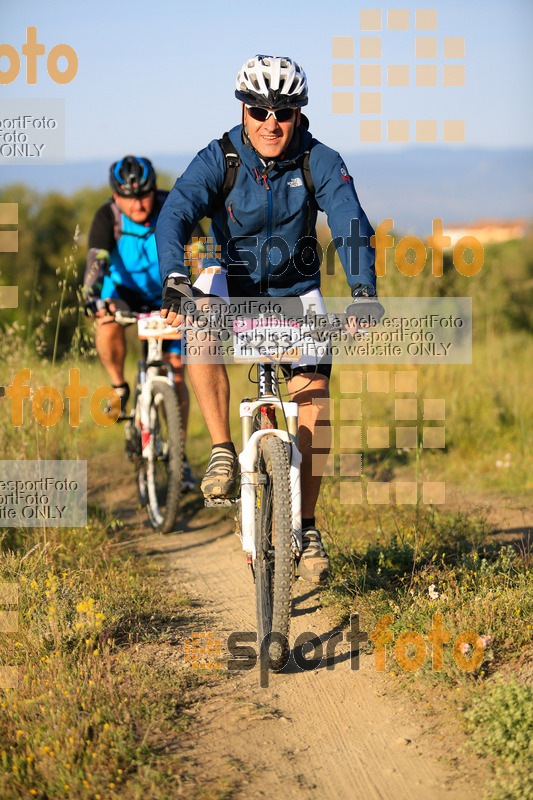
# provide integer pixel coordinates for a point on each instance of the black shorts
(322, 368)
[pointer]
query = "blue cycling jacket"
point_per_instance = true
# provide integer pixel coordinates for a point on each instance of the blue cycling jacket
(122, 254)
(265, 228)
(133, 262)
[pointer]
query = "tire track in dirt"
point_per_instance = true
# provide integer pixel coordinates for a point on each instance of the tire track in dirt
(309, 733)
(328, 730)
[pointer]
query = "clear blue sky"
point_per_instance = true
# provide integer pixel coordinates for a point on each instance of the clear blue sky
(159, 77)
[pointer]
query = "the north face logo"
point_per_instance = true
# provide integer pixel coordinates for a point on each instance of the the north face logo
(295, 182)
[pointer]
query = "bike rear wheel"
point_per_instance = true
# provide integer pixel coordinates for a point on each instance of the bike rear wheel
(160, 476)
(273, 563)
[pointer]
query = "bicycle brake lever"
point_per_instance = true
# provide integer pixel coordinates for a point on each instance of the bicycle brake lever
(124, 317)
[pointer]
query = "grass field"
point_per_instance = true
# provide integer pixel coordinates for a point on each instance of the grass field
(82, 718)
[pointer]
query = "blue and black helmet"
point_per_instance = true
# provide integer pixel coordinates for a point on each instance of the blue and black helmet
(132, 176)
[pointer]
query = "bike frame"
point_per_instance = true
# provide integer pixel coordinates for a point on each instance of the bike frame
(148, 372)
(250, 456)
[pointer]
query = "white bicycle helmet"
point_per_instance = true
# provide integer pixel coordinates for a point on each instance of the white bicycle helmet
(271, 82)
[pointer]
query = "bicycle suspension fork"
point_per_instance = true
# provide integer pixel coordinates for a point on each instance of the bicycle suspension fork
(251, 453)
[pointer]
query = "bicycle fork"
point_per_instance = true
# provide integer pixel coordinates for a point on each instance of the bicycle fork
(145, 403)
(251, 477)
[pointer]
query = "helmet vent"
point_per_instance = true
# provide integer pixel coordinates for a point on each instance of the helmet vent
(272, 81)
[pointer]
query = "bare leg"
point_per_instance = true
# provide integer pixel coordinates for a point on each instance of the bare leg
(209, 380)
(211, 385)
(111, 347)
(312, 417)
(314, 433)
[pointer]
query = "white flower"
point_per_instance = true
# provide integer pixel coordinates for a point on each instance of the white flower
(465, 647)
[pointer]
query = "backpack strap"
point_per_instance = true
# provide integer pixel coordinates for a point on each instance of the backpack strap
(117, 226)
(306, 171)
(233, 163)
(308, 178)
(117, 221)
(161, 196)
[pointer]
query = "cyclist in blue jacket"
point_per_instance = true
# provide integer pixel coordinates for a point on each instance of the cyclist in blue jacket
(264, 228)
(123, 272)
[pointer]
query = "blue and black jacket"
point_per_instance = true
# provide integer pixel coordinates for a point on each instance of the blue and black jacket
(266, 226)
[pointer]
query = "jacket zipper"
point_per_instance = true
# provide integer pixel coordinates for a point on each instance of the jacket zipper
(232, 216)
(269, 227)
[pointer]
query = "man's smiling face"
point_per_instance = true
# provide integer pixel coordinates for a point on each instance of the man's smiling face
(270, 138)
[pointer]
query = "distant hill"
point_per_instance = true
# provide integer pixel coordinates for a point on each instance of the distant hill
(412, 186)
(419, 184)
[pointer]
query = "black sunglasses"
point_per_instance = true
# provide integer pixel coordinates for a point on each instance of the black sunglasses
(262, 114)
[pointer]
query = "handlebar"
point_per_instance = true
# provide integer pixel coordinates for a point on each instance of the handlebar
(125, 318)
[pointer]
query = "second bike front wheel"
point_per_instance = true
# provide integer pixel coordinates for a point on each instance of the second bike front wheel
(273, 563)
(163, 470)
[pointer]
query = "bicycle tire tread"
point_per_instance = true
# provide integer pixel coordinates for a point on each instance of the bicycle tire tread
(174, 426)
(277, 469)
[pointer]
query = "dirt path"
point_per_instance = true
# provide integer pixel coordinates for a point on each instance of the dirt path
(309, 733)
(314, 732)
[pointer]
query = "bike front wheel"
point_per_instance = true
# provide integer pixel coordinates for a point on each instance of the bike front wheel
(273, 563)
(162, 471)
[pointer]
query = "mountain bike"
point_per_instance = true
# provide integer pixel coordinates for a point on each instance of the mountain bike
(269, 520)
(154, 430)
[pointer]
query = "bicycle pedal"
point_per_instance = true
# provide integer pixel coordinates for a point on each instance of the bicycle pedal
(218, 502)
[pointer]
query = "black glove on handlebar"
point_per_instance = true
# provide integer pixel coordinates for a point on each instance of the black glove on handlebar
(92, 306)
(175, 288)
(365, 306)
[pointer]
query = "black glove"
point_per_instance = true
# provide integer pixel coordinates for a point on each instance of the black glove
(93, 305)
(365, 305)
(175, 288)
